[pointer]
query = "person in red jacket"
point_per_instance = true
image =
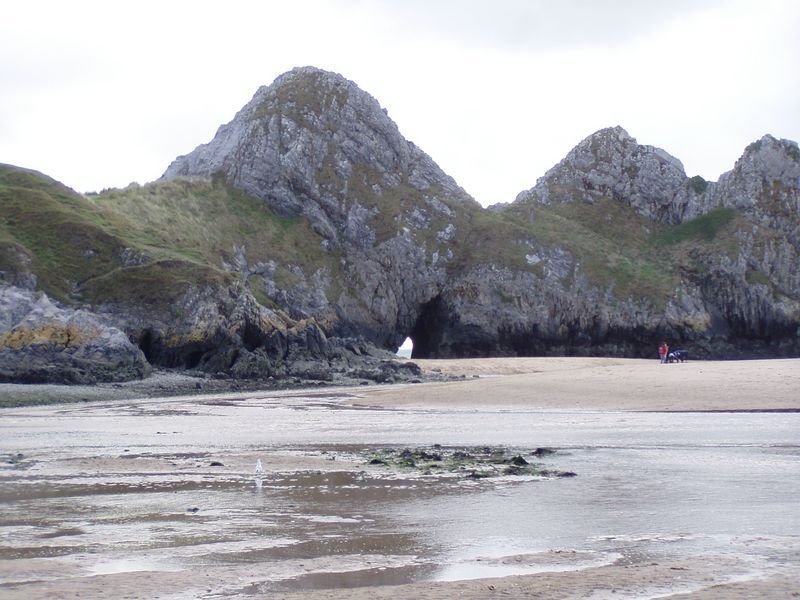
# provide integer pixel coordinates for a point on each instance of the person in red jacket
(663, 352)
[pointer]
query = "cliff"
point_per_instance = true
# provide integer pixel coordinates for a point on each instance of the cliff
(314, 145)
(309, 238)
(630, 250)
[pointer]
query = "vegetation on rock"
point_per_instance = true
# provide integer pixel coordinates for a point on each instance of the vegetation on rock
(309, 226)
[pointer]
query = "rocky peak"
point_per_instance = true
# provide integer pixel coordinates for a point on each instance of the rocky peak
(314, 144)
(611, 163)
(771, 158)
(765, 185)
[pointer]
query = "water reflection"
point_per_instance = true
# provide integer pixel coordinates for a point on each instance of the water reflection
(649, 485)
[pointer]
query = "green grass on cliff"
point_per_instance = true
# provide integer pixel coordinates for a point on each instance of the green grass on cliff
(493, 237)
(51, 226)
(180, 233)
(204, 221)
(148, 244)
(707, 228)
(616, 247)
(613, 245)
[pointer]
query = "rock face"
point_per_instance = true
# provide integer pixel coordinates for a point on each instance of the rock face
(314, 144)
(417, 260)
(43, 343)
(611, 164)
(728, 260)
(309, 238)
(225, 332)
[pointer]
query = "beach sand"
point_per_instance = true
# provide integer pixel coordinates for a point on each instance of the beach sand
(590, 384)
(603, 384)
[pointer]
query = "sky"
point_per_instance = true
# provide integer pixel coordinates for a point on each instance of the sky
(100, 94)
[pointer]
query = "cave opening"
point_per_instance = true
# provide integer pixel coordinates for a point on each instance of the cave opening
(428, 332)
(147, 344)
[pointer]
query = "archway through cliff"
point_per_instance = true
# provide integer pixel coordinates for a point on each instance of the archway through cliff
(406, 349)
(427, 333)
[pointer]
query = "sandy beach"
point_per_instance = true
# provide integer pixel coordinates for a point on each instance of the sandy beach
(605, 384)
(158, 498)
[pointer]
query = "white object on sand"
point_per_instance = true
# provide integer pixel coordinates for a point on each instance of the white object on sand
(259, 468)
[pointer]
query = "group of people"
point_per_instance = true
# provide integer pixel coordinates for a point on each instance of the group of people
(666, 356)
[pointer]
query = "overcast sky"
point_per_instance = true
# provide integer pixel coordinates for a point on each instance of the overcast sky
(100, 94)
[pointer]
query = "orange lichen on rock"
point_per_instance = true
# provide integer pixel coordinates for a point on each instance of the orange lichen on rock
(53, 334)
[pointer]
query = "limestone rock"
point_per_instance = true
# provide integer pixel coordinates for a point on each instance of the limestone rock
(611, 163)
(41, 342)
(765, 185)
(739, 297)
(314, 144)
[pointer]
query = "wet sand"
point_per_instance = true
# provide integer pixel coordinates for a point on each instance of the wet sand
(159, 499)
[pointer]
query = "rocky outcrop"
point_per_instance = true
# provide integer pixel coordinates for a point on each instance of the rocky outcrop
(314, 144)
(611, 164)
(764, 184)
(418, 264)
(226, 333)
(729, 287)
(41, 342)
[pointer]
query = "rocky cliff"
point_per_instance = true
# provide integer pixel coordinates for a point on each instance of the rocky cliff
(630, 250)
(315, 145)
(308, 238)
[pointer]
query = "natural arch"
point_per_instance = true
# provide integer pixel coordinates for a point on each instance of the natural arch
(406, 348)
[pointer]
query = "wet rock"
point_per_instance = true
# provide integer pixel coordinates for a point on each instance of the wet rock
(560, 474)
(540, 452)
(515, 470)
(472, 463)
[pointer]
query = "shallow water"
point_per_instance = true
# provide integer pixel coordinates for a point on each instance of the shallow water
(649, 485)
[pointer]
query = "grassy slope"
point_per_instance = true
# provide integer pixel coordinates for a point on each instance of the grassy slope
(55, 228)
(183, 229)
(617, 247)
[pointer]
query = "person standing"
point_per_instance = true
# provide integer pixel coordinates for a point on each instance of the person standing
(663, 352)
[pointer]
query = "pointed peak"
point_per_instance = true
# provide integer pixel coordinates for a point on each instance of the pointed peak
(309, 90)
(768, 144)
(310, 74)
(613, 133)
(606, 142)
